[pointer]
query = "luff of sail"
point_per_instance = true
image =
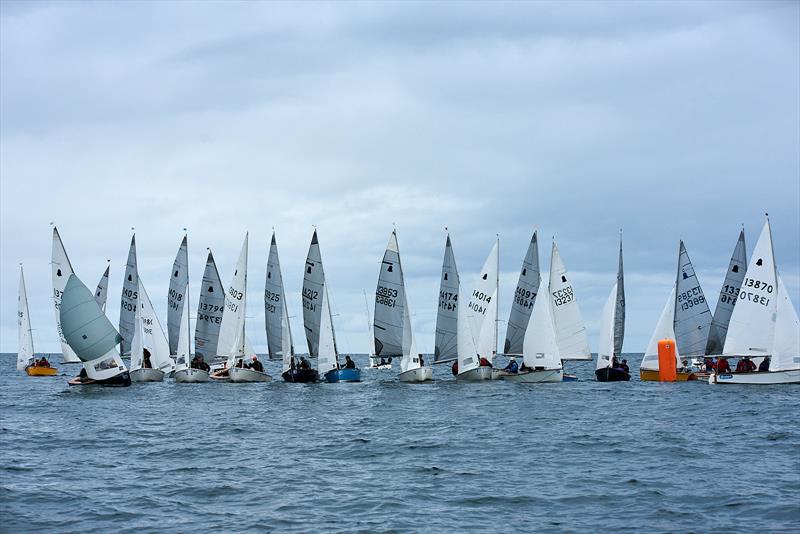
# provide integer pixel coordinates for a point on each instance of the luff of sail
(692, 315)
(313, 286)
(101, 293)
(728, 295)
(279, 333)
(524, 298)
(567, 320)
(231, 331)
(61, 269)
(390, 304)
(209, 312)
(446, 344)
(25, 348)
(129, 300)
(177, 294)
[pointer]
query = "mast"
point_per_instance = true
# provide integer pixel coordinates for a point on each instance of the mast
(369, 325)
(497, 297)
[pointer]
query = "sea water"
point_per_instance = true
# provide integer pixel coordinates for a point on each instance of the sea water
(384, 456)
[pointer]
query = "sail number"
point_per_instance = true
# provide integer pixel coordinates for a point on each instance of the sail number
(563, 296)
(448, 300)
(237, 295)
(757, 284)
(729, 294)
(310, 295)
(386, 296)
(475, 305)
(524, 297)
(754, 297)
(130, 293)
(269, 296)
(691, 298)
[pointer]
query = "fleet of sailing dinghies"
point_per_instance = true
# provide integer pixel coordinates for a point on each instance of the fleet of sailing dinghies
(612, 332)
(764, 322)
(393, 333)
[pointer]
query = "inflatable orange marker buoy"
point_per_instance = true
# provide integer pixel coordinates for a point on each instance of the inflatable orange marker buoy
(667, 361)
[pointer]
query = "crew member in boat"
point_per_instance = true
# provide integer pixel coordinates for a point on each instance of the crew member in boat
(199, 363)
(484, 362)
(624, 366)
(348, 363)
(383, 361)
(146, 364)
(304, 363)
(684, 368)
(512, 366)
(764, 365)
(41, 363)
(240, 364)
(745, 365)
(421, 360)
(710, 364)
(723, 366)
(256, 365)
(454, 368)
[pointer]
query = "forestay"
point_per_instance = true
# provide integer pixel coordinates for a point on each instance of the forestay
(571, 338)
(390, 304)
(279, 333)
(313, 286)
(209, 312)
(177, 294)
(467, 351)
(61, 269)
(231, 331)
(101, 293)
(148, 327)
(89, 332)
(25, 354)
(524, 298)
(482, 305)
(727, 298)
(130, 299)
(692, 315)
(664, 330)
(540, 348)
(446, 344)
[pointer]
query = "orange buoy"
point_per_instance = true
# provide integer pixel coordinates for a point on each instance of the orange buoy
(667, 361)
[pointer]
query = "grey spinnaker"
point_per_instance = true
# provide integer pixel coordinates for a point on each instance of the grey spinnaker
(86, 328)
(209, 312)
(129, 301)
(619, 309)
(390, 304)
(737, 269)
(176, 296)
(524, 299)
(692, 317)
(101, 293)
(313, 286)
(279, 334)
(446, 344)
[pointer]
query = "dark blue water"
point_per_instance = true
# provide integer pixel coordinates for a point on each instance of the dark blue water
(383, 456)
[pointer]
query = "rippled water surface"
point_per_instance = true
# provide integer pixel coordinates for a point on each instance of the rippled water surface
(384, 456)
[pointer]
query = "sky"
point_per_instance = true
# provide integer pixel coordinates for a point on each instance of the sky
(668, 120)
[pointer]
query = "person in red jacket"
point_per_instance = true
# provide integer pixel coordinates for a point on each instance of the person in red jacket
(723, 366)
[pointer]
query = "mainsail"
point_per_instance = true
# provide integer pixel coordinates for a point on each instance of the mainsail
(61, 269)
(183, 353)
(313, 287)
(605, 348)
(177, 295)
(727, 298)
(25, 350)
(786, 349)
(446, 344)
(467, 350)
(524, 298)
(482, 305)
(692, 316)
(209, 312)
(279, 333)
(619, 306)
(567, 320)
(148, 328)
(101, 293)
(390, 300)
(540, 348)
(327, 356)
(130, 299)
(232, 342)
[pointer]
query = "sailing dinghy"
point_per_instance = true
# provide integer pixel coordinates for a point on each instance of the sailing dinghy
(150, 354)
(61, 269)
(612, 332)
(26, 357)
(446, 343)
(129, 301)
(318, 321)
(92, 337)
(183, 369)
(177, 295)
(101, 293)
(394, 336)
(764, 322)
(481, 312)
(233, 343)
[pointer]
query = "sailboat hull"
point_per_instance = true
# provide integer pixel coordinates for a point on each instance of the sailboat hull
(121, 380)
(301, 376)
(239, 374)
(147, 375)
(420, 374)
(478, 374)
(535, 377)
(649, 375)
(611, 374)
(343, 375)
(191, 376)
(41, 371)
(765, 378)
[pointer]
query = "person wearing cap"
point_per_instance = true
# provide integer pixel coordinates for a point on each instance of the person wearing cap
(257, 365)
(512, 366)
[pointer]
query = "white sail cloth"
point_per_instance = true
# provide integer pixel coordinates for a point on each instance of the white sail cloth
(101, 293)
(524, 297)
(25, 354)
(147, 328)
(664, 330)
(573, 344)
(540, 348)
(232, 344)
(61, 270)
(482, 305)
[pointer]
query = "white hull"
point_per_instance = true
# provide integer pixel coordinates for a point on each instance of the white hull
(241, 374)
(769, 377)
(420, 374)
(191, 376)
(478, 374)
(533, 377)
(500, 374)
(147, 375)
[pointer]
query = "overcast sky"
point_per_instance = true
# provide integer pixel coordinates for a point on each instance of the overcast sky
(674, 120)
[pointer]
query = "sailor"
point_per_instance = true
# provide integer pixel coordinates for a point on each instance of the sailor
(146, 362)
(624, 366)
(421, 361)
(614, 362)
(454, 368)
(304, 363)
(512, 366)
(198, 363)
(723, 366)
(240, 364)
(42, 362)
(383, 361)
(485, 362)
(348, 363)
(764, 366)
(745, 365)
(257, 365)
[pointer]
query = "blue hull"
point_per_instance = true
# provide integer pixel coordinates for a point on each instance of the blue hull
(343, 375)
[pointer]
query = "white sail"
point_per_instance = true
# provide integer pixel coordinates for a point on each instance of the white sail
(25, 354)
(130, 299)
(410, 359)
(664, 330)
(540, 348)
(482, 305)
(137, 343)
(231, 331)
(327, 355)
(467, 351)
(786, 349)
(524, 297)
(390, 303)
(89, 332)
(605, 348)
(692, 315)
(209, 312)
(446, 344)
(61, 269)
(567, 320)
(154, 339)
(751, 330)
(183, 353)
(279, 332)
(101, 293)
(177, 294)
(727, 298)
